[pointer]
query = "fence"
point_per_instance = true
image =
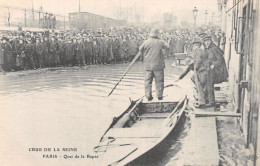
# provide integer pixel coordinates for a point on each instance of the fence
(10, 16)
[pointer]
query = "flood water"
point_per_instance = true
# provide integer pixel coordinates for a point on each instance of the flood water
(69, 108)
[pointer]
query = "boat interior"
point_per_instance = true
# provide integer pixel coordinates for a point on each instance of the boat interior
(146, 114)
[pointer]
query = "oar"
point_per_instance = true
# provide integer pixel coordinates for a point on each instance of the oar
(128, 68)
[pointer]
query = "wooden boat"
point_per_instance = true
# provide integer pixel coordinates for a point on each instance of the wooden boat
(139, 129)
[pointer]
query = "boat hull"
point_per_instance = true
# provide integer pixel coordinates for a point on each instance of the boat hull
(139, 130)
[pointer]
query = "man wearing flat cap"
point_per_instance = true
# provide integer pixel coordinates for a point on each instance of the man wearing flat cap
(154, 64)
(200, 72)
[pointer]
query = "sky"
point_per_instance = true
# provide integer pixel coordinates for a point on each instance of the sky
(180, 8)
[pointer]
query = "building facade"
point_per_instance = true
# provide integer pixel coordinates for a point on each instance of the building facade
(241, 22)
(85, 20)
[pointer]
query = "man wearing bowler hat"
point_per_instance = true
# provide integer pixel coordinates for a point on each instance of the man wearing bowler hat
(154, 64)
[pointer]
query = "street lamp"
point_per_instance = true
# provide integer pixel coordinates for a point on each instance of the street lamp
(212, 18)
(195, 12)
(206, 15)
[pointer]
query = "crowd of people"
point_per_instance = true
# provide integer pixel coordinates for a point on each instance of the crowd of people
(31, 50)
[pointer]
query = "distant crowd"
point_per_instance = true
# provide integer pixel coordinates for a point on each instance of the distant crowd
(32, 50)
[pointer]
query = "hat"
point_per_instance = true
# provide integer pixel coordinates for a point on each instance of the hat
(154, 33)
(207, 38)
(196, 40)
(203, 34)
(5, 38)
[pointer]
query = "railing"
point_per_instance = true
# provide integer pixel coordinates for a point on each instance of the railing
(14, 16)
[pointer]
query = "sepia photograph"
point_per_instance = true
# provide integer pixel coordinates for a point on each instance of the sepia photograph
(129, 82)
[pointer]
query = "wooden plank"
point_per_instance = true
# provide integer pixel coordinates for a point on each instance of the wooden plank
(201, 146)
(228, 114)
(135, 132)
(154, 115)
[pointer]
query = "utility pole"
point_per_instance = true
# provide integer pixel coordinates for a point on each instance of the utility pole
(206, 15)
(79, 5)
(32, 11)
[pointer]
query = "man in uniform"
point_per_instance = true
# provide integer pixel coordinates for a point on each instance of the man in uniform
(153, 64)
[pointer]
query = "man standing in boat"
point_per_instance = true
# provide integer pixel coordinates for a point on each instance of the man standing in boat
(154, 64)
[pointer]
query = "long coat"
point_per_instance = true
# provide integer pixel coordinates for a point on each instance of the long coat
(88, 49)
(53, 49)
(69, 52)
(110, 55)
(180, 45)
(8, 57)
(1, 55)
(216, 58)
(39, 48)
(201, 67)
(79, 49)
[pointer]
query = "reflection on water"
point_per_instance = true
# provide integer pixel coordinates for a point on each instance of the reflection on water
(68, 107)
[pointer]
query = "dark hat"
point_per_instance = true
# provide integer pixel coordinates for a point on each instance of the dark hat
(196, 41)
(5, 38)
(207, 38)
(203, 34)
(21, 34)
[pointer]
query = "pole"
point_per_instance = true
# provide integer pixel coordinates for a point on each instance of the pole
(25, 18)
(79, 5)
(128, 68)
(32, 11)
(8, 17)
(64, 22)
(39, 20)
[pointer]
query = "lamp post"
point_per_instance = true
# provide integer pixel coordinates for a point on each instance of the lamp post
(195, 12)
(212, 18)
(206, 15)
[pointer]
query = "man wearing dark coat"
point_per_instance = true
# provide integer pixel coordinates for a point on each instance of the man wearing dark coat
(60, 51)
(46, 55)
(215, 60)
(8, 56)
(69, 52)
(115, 48)
(201, 70)
(96, 49)
(29, 52)
(20, 55)
(79, 50)
(39, 50)
(53, 49)
(1, 58)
